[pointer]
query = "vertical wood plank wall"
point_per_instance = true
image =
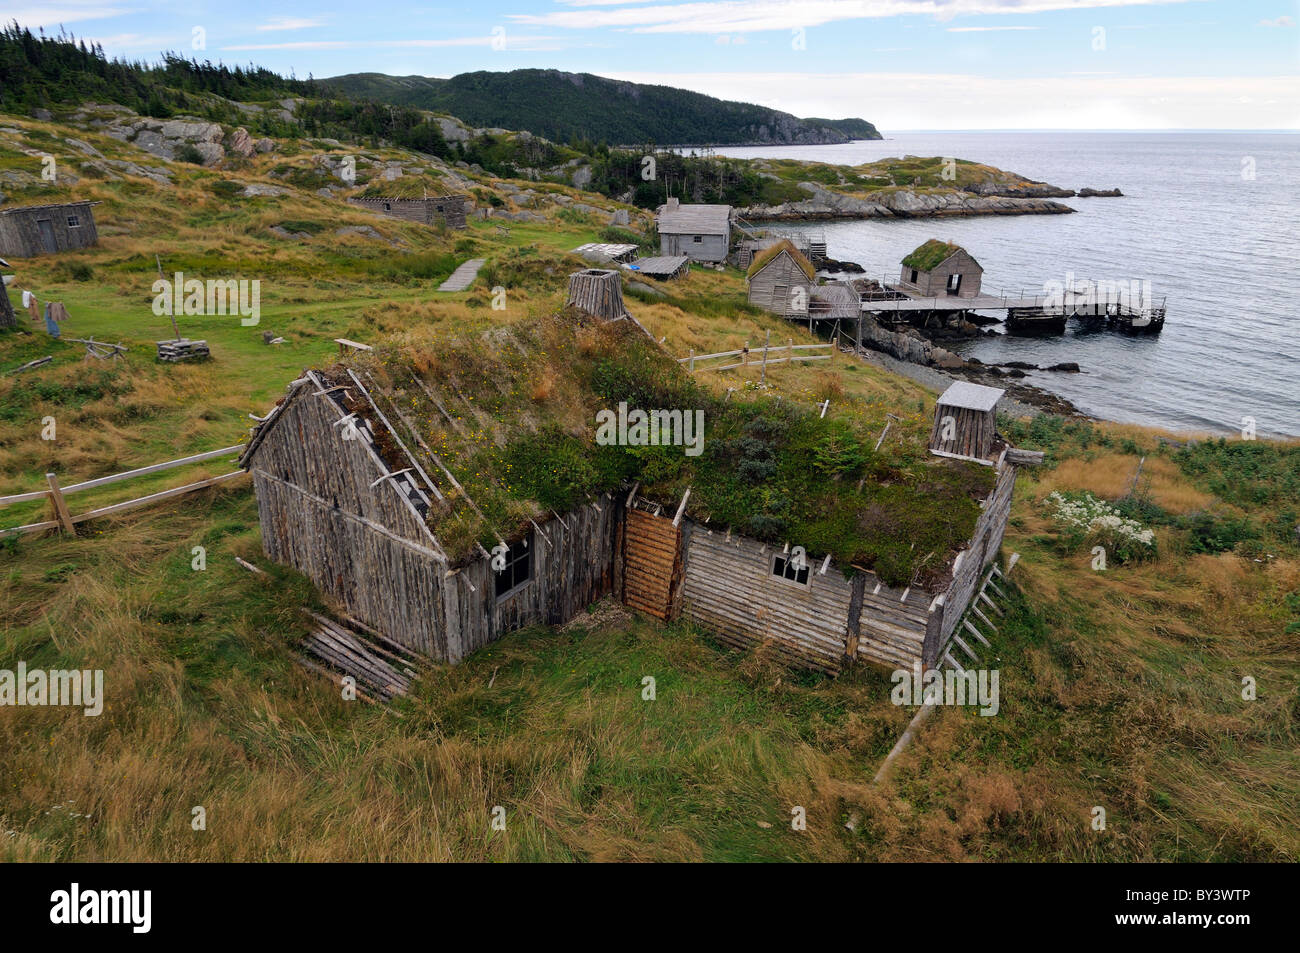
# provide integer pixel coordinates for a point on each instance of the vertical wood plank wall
(651, 562)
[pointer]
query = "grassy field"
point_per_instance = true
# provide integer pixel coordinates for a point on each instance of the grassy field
(1121, 689)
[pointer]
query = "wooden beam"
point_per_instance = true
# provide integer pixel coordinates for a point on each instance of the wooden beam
(155, 497)
(60, 506)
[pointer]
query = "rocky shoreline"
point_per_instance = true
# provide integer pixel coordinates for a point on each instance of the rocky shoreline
(823, 204)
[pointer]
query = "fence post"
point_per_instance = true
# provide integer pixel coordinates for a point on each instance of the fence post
(60, 505)
(692, 360)
(767, 340)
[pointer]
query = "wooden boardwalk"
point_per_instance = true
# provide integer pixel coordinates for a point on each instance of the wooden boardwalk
(463, 276)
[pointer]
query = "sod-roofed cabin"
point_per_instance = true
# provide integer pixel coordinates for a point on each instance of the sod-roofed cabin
(938, 269)
(448, 490)
(781, 279)
(449, 210)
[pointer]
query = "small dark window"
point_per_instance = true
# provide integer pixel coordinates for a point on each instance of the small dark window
(74, 221)
(388, 206)
(913, 278)
(954, 284)
(698, 239)
(517, 570)
(439, 208)
(784, 568)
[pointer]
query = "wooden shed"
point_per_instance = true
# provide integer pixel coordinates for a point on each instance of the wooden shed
(30, 230)
(781, 280)
(342, 498)
(449, 210)
(938, 269)
(700, 232)
(965, 422)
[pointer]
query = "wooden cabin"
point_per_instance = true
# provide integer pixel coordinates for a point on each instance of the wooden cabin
(700, 232)
(836, 301)
(449, 210)
(349, 490)
(965, 422)
(781, 280)
(31, 230)
(938, 269)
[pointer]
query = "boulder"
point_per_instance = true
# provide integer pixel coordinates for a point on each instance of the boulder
(44, 115)
(1068, 367)
(211, 152)
(241, 143)
(620, 217)
(85, 147)
(194, 132)
(256, 189)
(264, 145)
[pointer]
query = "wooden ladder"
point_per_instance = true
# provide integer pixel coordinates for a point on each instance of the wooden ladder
(969, 627)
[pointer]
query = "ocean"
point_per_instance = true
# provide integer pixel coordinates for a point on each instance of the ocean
(1212, 220)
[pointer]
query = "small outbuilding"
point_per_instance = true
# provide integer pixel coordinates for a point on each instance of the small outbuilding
(31, 230)
(965, 422)
(701, 232)
(597, 292)
(449, 210)
(938, 269)
(781, 280)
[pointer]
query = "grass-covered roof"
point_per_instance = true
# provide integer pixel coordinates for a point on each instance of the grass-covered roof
(931, 254)
(517, 426)
(767, 255)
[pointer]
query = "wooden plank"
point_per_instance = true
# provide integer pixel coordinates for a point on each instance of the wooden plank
(60, 506)
(155, 497)
(156, 468)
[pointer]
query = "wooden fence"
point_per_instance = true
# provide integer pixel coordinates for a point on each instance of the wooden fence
(64, 519)
(759, 356)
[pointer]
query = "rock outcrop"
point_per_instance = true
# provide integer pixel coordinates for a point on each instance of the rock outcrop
(899, 203)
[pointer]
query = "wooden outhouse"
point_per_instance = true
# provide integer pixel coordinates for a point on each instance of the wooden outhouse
(449, 210)
(30, 230)
(938, 269)
(965, 422)
(700, 232)
(781, 280)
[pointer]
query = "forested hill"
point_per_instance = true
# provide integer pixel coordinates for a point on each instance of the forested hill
(565, 107)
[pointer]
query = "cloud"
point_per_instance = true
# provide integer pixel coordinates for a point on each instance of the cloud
(513, 43)
(69, 11)
(290, 23)
(896, 101)
(1279, 22)
(736, 16)
(988, 29)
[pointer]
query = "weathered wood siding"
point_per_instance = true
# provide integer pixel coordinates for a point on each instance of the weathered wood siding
(711, 248)
(934, 283)
(651, 563)
(572, 567)
(306, 448)
(447, 210)
(772, 286)
(7, 317)
(388, 582)
(892, 623)
(728, 589)
(20, 229)
(971, 434)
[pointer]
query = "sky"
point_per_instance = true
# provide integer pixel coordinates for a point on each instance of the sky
(902, 64)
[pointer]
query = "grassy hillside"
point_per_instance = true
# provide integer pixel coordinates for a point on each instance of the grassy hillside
(1120, 688)
(565, 107)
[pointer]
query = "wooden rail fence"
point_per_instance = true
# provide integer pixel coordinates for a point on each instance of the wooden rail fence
(758, 357)
(65, 521)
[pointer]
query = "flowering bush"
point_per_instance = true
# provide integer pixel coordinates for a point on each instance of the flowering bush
(1085, 518)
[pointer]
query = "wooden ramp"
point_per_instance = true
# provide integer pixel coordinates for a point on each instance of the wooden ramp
(652, 563)
(463, 276)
